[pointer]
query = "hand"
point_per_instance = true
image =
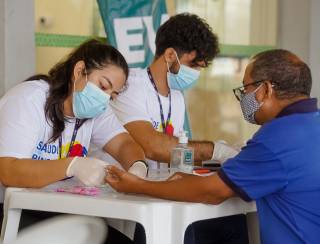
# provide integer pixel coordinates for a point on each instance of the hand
(178, 176)
(122, 181)
(90, 171)
(222, 151)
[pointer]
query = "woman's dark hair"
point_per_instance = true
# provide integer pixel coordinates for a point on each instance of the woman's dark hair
(186, 33)
(96, 55)
(289, 74)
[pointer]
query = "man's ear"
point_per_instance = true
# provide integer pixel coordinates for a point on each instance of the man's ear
(269, 90)
(78, 70)
(170, 55)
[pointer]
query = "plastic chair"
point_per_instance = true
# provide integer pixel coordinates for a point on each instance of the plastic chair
(65, 229)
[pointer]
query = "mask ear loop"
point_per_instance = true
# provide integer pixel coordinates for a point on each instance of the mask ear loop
(74, 83)
(272, 85)
(177, 59)
(261, 103)
(74, 86)
(168, 66)
(257, 88)
(85, 71)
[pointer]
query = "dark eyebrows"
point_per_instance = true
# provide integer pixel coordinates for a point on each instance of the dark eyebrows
(196, 63)
(110, 83)
(111, 86)
(115, 92)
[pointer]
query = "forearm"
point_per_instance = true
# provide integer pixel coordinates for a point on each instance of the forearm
(180, 187)
(200, 189)
(156, 145)
(125, 150)
(32, 173)
(160, 146)
(130, 152)
(203, 150)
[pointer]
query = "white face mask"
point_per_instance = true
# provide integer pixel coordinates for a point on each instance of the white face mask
(184, 79)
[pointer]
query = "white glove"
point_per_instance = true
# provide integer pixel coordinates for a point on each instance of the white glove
(222, 151)
(90, 171)
(139, 168)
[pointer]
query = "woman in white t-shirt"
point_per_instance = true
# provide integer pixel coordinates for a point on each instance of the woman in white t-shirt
(48, 121)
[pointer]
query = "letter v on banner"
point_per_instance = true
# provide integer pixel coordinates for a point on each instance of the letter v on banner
(131, 27)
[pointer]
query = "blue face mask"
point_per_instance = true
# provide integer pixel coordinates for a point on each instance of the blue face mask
(184, 79)
(90, 102)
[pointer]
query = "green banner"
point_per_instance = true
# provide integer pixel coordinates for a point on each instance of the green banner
(131, 27)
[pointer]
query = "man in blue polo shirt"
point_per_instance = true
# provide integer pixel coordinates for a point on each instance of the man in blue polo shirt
(279, 167)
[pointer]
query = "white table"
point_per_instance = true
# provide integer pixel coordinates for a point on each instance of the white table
(164, 221)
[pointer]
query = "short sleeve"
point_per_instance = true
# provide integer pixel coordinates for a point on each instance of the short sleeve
(131, 104)
(105, 127)
(20, 126)
(254, 173)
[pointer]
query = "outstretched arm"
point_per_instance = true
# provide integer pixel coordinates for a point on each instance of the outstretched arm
(210, 189)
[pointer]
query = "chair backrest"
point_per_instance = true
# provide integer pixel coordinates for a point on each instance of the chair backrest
(65, 229)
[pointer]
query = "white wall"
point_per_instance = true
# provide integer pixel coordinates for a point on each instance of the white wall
(293, 26)
(1, 47)
(314, 58)
(264, 22)
(17, 44)
(299, 32)
(64, 17)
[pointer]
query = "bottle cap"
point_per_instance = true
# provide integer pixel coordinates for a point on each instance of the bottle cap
(183, 139)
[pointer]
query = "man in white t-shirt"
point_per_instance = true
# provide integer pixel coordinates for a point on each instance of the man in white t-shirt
(152, 108)
(139, 104)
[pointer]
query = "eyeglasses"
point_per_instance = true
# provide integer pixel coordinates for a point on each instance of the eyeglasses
(241, 91)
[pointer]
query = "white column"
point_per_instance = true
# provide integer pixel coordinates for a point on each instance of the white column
(2, 47)
(263, 22)
(293, 27)
(314, 59)
(17, 43)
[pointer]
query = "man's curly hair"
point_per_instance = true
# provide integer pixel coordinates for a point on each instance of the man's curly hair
(185, 33)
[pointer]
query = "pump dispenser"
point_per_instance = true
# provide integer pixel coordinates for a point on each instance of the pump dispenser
(182, 155)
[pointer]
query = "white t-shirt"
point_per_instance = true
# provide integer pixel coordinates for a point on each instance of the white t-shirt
(24, 130)
(140, 102)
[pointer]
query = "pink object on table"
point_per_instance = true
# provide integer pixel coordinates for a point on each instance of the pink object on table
(81, 190)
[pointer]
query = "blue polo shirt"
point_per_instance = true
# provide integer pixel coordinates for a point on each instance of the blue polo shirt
(280, 169)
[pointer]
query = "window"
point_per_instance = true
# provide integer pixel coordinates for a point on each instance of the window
(240, 25)
(244, 27)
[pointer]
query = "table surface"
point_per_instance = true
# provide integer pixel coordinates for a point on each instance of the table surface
(48, 199)
(154, 214)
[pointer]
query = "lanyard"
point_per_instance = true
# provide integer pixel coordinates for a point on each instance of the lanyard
(74, 134)
(163, 123)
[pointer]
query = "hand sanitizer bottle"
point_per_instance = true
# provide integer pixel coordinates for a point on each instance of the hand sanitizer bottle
(182, 156)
